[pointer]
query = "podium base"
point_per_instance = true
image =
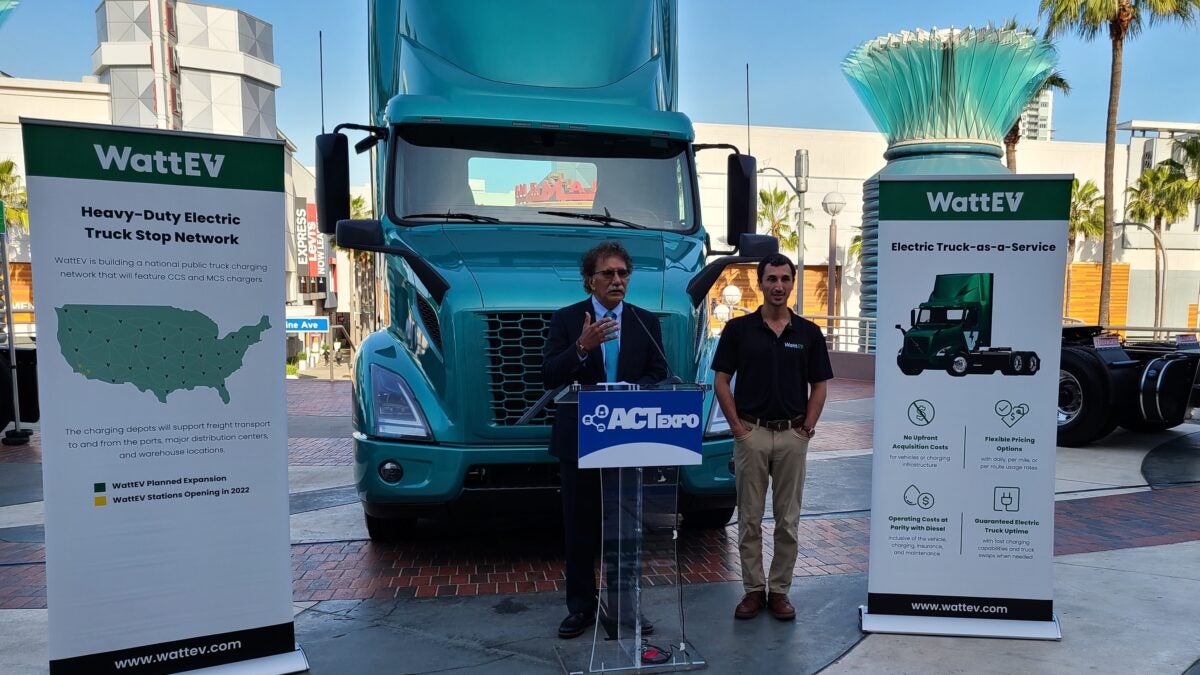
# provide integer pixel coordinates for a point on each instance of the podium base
(956, 627)
(657, 656)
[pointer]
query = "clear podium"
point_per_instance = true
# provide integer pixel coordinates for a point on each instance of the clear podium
(637, 437)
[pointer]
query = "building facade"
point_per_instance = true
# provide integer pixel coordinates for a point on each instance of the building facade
(840, 161)
(1037, 119)
(189, 66)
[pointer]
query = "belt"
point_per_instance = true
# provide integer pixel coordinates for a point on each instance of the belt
(773, 425)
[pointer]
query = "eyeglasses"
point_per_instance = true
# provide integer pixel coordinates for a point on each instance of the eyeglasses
(609, 274)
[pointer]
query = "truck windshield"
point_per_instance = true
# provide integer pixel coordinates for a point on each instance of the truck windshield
(513, 174)
(940, 315)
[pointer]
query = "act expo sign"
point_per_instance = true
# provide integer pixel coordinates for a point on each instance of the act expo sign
(970, 293)
(640, 428)
(159, 274)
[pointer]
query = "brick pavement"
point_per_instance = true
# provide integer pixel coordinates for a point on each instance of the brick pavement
(30, 453)
(320, 451)
(441, 563)
(847, 390)
(1151, 518)
(320, 397)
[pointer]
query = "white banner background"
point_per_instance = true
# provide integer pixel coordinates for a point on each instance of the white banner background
(129, 574)
(959, 469)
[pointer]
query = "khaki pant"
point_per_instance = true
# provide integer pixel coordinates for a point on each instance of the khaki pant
(777, 456)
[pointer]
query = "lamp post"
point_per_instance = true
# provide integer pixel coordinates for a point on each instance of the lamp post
(833, 203)
(800, 186)
(1162, 280)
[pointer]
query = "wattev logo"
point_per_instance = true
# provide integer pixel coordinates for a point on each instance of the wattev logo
(187, 164)
(987, 202)
(638, 418)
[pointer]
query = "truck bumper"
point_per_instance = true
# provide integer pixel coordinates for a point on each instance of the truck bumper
(438, 478)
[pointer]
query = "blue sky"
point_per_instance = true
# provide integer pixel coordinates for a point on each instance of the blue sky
(794, 49)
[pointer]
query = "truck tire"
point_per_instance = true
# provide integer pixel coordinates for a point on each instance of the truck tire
(707, 519)
(1083, 396)
(1015, 365)
(389, 529)
(908, 369)
(959, 365)
(1032, 363)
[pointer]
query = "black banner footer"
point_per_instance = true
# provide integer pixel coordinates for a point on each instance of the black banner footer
(187, 654)
(961, 606)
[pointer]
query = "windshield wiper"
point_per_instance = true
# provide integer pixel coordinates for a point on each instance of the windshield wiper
(607, 218)
(453, 216)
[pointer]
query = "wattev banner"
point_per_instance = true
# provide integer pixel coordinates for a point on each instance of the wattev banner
(158, 269)
(970, 321)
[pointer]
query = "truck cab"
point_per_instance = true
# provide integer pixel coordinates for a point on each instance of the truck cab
(938, 333)
(500, 158)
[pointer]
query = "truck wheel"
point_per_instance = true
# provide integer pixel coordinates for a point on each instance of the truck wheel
(1015, 365)
(1083, 394)
(389, 529)
(908, 368)
(1032, 363)
(707, 519)
(958, 365)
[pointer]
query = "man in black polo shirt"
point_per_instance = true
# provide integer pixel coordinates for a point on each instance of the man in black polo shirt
(782, 366)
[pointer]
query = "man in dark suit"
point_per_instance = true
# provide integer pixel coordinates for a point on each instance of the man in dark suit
(601, 339)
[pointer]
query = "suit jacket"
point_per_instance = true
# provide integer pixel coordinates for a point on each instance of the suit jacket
(639, 361)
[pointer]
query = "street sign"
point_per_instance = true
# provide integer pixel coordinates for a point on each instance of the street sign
(313, 324)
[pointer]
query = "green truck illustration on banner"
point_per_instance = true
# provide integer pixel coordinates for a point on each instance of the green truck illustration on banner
(952, 331)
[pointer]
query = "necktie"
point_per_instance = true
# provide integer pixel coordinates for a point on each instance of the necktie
(611, 349)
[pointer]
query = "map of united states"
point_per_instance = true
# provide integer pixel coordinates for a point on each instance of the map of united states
(155, 348)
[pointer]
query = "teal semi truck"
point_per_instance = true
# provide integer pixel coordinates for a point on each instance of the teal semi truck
(952, 331)
(506, 141)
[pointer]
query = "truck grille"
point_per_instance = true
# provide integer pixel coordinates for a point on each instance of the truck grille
(513, 347)
(921, 345)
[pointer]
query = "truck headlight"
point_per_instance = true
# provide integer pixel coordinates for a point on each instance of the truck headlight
(717, 424)
(397, 414)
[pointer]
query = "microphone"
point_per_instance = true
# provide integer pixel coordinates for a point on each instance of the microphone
(671, 377)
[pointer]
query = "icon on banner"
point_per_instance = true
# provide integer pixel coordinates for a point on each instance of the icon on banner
(596, 419)
(1011, 414)
(914, 497)
(920, 412)
(1006, 499)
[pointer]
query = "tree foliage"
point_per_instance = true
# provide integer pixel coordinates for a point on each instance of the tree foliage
(12, 193)
(1121, 19)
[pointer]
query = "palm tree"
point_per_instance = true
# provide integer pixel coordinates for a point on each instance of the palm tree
(1056, 81)
(1086, 218)
(12, 193)
(1189, 149)
(1156, 196)
(1123, 19)
(775, 216)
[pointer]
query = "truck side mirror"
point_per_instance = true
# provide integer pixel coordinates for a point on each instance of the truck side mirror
(741, 191)
(912, 317)
(333, 181)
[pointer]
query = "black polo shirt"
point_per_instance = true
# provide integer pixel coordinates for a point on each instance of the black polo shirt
(773, 372)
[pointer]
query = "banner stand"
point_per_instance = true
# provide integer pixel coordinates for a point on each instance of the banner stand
(956, 627)
(962, 487)
(157, 265)
(276, 664)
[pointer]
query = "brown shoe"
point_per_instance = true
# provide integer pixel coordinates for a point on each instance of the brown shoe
(781, 607)
(751, 605)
